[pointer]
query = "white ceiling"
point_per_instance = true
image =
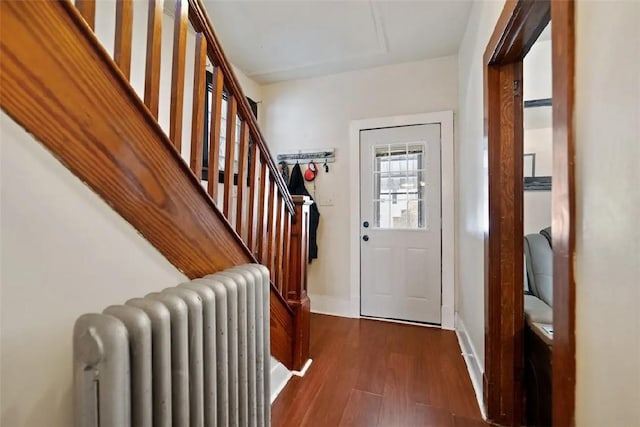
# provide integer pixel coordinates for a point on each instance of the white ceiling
(273, 40)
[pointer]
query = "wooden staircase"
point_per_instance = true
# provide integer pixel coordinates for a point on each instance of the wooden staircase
(61, 85)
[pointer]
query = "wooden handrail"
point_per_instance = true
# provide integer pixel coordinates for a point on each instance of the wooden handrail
(201, 23)
(114, 143)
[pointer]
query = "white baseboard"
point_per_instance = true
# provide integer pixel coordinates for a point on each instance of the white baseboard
(323, 304)
(280, 376)
(448, 318)
(304, 369)
(472, 361)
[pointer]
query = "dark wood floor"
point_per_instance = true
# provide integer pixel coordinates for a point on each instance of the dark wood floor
(372, 373)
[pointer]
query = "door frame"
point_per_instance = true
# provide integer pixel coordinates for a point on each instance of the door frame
(445, 119)
(518, 27)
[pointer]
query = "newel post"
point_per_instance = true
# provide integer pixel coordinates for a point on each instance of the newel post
(297, 283)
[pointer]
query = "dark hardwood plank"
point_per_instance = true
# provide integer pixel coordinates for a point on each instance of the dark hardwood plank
(214, 134)
(124, 31)
(252, 216)
(300, 394)
(197, 117)
(331, 394)
(430, 416)
(177, 72)
(243, 159)
(154, 51)
(69, 96)
(426, 387)
(458, 383)
(468, 422)
(563, 195)
(87, 9)
(362, 410)
(229, 157)
(375, 342)
(397, 406)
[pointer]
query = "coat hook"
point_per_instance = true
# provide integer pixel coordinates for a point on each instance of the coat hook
(326, 166)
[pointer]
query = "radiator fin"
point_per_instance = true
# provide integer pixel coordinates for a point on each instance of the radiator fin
(192, 355)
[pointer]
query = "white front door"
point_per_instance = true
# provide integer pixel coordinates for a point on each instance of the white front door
(400, 223)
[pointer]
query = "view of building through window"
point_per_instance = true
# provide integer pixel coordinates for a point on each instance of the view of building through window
(399, 185)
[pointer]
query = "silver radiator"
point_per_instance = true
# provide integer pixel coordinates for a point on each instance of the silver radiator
(194, 355)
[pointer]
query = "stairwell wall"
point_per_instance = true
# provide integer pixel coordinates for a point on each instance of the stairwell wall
(64, 252)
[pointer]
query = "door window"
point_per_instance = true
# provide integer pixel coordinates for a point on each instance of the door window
(399, 189)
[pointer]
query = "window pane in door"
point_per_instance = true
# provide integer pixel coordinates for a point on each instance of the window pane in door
(399, 186)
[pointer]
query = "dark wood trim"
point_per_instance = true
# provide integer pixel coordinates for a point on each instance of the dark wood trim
(197, 106)
(277, 278)
(262, 212)
(201, 22)
(270, 232)
(229, 154)
(252, 217)
(215, 116)
(154, 52)
(297, 281)
(124, 32)
(243, 161)
(504, 318)
(517, 29)
(87, 9)
(563, 219)
(177, 72)
(73, 98)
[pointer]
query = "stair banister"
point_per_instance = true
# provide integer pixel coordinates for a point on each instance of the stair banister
(136, 161)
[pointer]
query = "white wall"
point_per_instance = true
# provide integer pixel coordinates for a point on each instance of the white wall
(537, 204)
(471, 166)
(536, 69)
(538, 133)
(64, 252)
(607, 210)
(315, 114)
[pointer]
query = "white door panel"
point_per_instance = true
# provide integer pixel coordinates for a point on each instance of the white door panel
(401, 223)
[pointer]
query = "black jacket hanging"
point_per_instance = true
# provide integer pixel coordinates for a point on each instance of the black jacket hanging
(296, 186)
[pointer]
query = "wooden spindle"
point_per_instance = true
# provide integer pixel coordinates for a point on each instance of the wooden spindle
(199, 93)
(243, 159)
(214, 134)
(297, 282)
(278, 243)
(87, 9)
(271, 228)
(286, 262)
(229, 157)
(152, 68)
(124, 31)
(262, 211)
(253, 191)
(177, 72)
